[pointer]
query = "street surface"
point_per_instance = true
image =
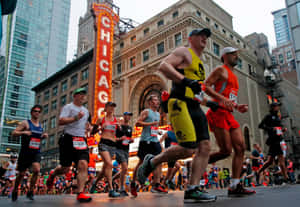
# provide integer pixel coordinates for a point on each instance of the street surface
(278, 196)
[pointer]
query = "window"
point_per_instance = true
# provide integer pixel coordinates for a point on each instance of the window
(198, 13)
(45, 109)
(14, 96)
(289, 55)
(121, 45)
(178, 39)
(53, 105)
(46, 95)
(146, 31)
(64, 86)
(216, 26)
(280, 57)
(45, 125)
(175, 14)
(160, 48)
(13, 104)
(250, 69)
(132, 62)
(207, 19)
(44, 143)
(71, 96)
(224, 31)
(119, 68)
(85, 74)
(54, 91)
(53, 122)
(74, 79)
(160, 23)
(231, 36)
(216, 49)
(133, 39)
(16, 88)
(38, 100)
(239, 64)
(51, 140)
(298, 11)
(146, 55)
(13, 112)
(63, 100)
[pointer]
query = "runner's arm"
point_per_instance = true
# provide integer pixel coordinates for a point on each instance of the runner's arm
(22, 129)
(140, 122)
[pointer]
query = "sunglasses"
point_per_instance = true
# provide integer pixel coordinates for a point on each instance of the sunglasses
(37, 111)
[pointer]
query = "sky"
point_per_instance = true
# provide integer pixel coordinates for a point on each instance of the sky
(248, 16)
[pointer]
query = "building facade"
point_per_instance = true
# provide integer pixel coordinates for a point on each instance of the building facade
(281, 27)
(35, 47)
(293, 10)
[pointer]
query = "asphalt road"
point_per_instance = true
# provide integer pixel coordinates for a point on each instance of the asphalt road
(278, 196)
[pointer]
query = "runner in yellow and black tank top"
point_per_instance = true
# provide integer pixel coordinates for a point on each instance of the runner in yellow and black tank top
(188, 120)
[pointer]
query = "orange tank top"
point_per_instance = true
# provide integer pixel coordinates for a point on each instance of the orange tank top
(228, 88)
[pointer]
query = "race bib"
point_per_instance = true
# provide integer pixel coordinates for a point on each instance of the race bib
(174, 143)
(34, 143)
(278, 131)
(233, 96)
(79, 143)
(91, 169)
(12, 177)
(154, 131)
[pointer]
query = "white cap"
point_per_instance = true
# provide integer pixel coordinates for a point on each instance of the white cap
(228, 50)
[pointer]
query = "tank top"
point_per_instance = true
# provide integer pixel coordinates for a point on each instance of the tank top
(228, 88)
(194, 71)
(149, 133)
(11, 171)
(32, 143)
(109, 126)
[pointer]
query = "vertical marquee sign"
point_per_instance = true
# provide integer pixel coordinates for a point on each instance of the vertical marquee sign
(105, 21)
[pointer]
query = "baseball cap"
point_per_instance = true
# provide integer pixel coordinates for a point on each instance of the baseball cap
(199, 31)
(110, 104)
(79, 90)
(228, 50)
(127, 113)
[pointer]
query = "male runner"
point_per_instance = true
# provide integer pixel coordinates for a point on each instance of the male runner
(149, 143)
(184, 67)
(123, 135)
(72, 144)
(226, 129)
(31, 133)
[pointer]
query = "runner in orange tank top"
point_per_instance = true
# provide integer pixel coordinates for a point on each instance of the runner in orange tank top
(222, 122)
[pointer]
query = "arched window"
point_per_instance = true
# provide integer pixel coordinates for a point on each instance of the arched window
(247, 138)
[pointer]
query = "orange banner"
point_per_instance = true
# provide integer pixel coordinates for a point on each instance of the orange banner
(103, 51)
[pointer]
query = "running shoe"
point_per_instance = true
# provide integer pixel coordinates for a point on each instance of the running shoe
(30, 195)
(171, 185)
(113, 194)
(240, 191)
(82, 198)
(197, 195)
(93, 188)
(123, 193)
(158, 188)
(145, 169)
(14, 196)
(133, 189)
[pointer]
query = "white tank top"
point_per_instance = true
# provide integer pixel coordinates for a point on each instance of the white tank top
(11, 170)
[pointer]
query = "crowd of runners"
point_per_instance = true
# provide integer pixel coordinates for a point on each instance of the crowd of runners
(188, 137)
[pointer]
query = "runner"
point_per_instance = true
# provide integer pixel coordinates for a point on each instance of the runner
(107, 146)
(256, 160)
(272, 124)
(10, 173)
(92, 167)
(124, 134)
(31, 133)
(184, 67)
(222, 122)
(149, 143)
(72, 143)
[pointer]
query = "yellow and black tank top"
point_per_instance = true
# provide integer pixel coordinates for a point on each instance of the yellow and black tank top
(194, 71)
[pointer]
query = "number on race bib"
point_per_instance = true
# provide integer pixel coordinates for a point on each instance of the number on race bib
(34, 143)
(79, 143)
(154, 131)
(233, 96)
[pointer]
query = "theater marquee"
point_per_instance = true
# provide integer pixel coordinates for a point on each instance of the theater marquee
(105, 21)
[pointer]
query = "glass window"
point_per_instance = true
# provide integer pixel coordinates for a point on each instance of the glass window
(160, 23)
(216, 49)
(46, 95)
(119, 68)
(198, 13)
(63, 100)
(45, 109)
(45, 125)
(133, 39)
(53, 122)
(53, 105)
(38, 100)
(298, 11)
(207, 19)
(175, 14)
(132, 62)
(54, 91)
(44, 143)
(74, 79)
(85, 74)
(289, 55)
(121, 45)
(160, 48)
(216, 26)
(239, 64)
(280, 57)
(178, 39)
(51, 140)
(146, 55)
(146, 31)
(64, 85)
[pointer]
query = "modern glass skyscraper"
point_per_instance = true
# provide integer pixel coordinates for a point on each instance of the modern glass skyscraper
(281, 26)
(35, 47)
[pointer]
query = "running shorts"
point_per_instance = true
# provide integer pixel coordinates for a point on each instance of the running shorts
(25, 160)
(221, 119)
(188, 121)
(147, 147)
